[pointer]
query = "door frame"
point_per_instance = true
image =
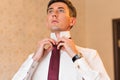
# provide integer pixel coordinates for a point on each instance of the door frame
(115, 45)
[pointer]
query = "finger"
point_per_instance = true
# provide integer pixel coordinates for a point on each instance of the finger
(61, 40)
(48, 49)
(52, 41)
(47, 44)
(60, 45)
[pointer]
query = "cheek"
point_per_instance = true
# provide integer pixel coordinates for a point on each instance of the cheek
(65, 20)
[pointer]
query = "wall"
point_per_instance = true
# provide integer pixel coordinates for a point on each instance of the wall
(22, 25)
(98, 22)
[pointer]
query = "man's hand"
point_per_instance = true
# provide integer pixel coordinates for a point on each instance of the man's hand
(44, 46)
(68, 45)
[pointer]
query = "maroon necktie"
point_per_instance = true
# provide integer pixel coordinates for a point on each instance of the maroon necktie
(53, 73)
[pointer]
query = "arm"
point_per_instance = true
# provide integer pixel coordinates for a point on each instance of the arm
(29, 66)
(91, 66)
(26, 70)
(85, 71)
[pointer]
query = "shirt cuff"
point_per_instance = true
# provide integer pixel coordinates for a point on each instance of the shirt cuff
(85, 70)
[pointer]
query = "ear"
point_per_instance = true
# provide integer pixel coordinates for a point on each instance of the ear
(72, 21)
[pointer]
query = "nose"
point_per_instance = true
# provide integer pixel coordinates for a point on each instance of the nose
(55, 14)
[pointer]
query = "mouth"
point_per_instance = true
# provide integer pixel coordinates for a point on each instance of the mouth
(55, 21)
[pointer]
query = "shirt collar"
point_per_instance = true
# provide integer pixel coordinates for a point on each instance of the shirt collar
(62, 34)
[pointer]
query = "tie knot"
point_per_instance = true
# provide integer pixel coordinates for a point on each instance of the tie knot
(55, 48)
(54, 45)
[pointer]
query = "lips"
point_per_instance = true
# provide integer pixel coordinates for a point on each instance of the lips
(55, 21)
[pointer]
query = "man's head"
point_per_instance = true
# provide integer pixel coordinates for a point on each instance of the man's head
(61, 15)
(72, 9)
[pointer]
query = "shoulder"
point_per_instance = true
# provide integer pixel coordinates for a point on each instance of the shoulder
(86, 50)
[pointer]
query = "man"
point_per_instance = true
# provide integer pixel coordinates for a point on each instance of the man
(76, 63)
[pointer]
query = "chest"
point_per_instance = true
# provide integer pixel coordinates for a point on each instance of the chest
(67, 69)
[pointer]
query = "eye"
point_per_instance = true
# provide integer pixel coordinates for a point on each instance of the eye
(50, 11)
(61, 10)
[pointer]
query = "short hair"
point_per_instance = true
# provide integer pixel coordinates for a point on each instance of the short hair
(72, 9)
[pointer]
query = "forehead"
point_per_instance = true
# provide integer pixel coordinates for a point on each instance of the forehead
(58, 4)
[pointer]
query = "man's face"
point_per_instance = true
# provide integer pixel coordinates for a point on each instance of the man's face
(58, 18)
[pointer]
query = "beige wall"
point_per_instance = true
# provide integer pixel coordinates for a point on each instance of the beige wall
(22, 25)
(98, 22)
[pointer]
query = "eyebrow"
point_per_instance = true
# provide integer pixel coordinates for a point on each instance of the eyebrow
(49, 9)
(58, 8)
(61, 8)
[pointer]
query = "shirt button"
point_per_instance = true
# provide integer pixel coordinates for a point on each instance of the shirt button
(78, 66)
(83, 78)
(32, 66)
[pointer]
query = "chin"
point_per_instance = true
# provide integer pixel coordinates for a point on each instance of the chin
(55, 28)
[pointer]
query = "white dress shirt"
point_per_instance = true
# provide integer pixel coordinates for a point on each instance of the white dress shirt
(89, 67)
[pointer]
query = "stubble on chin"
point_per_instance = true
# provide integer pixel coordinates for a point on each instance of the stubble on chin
(55, 29)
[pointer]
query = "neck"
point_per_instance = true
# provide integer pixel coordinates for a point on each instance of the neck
(57, 35)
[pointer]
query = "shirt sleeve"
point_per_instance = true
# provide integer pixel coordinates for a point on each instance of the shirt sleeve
(26, 70)
(91, 67)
